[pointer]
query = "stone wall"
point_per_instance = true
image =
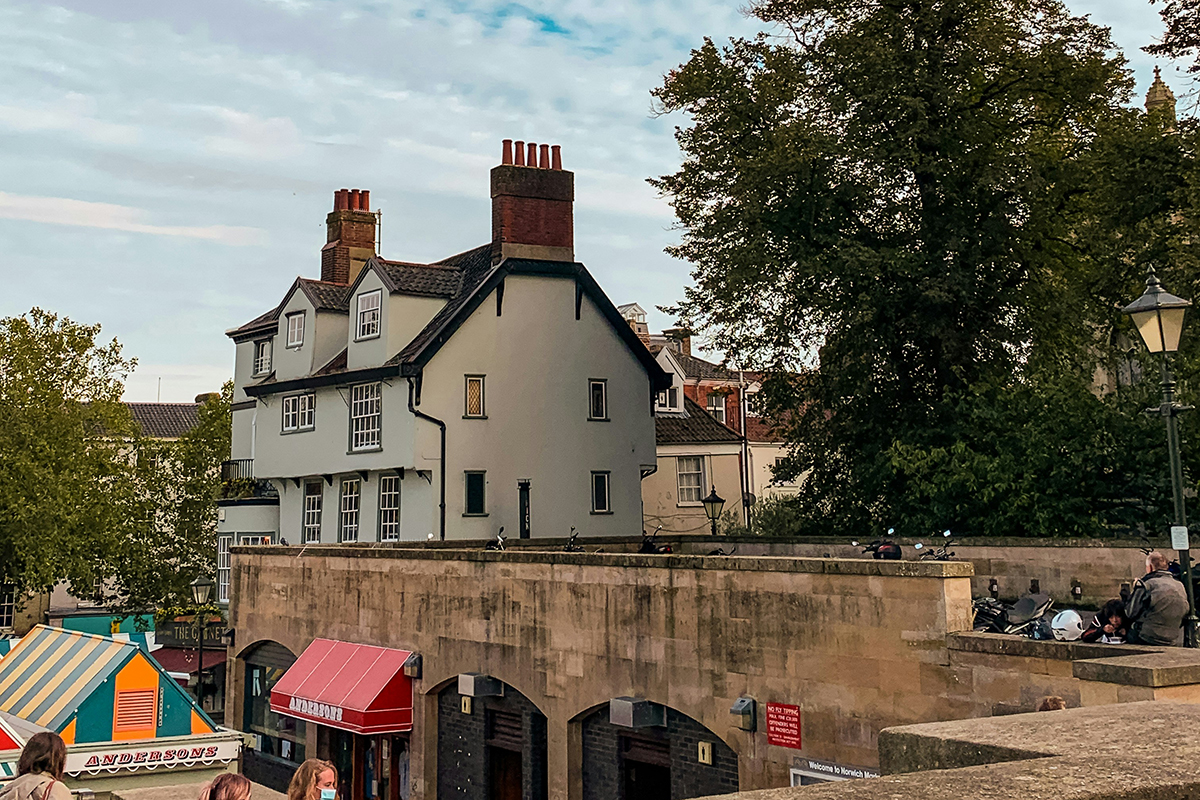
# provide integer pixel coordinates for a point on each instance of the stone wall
(852, 642)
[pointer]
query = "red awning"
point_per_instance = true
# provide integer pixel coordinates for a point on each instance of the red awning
(353, 687)
(182, 659)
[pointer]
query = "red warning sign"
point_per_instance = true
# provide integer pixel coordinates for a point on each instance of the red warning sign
(783, 725)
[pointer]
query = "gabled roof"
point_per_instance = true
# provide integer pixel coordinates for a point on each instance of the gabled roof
(423, 280)
(699, 368)
(165, 420)
(693, 425)
(323, 295)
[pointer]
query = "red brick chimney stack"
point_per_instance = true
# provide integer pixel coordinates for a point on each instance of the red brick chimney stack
(532, 204)
(350, 236)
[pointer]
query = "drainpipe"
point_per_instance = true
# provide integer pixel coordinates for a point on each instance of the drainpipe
(746, 488)
(442, 480)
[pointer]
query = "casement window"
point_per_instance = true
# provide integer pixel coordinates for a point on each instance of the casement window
(8, 607)
(299, 412)
(473, 407)
(368, 314)
(389, 508)
(476, 499)
(348, 518)
(365, 413)
(600, 498)
(690, 471)
(262, 357)
(716, 406)
(598, 399)
(255, 539)
(314, 495)
(224, 542)
(668, 399)
(295, 329)
(779, 462)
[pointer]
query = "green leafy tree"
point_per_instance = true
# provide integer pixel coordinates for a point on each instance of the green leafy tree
(907, 201)
(65, 488)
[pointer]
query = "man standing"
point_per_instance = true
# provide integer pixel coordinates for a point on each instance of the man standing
(1157, 606)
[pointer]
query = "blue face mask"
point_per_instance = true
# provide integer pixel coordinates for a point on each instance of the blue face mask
(329, 794)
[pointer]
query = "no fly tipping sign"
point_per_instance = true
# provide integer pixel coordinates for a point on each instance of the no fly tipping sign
(783, 725)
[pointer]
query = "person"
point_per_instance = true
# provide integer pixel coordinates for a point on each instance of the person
(1157, 606)
(40, 770)
(314, 780)
(1109, 626)
(228, 786)
(1052, 702)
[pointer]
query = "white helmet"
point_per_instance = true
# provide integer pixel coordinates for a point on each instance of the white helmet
(1067, 626)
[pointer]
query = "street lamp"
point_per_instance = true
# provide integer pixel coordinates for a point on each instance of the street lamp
(201, 592)
(712, 508)
(1158, 315)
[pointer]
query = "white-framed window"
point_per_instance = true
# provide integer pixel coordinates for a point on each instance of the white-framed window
(690, 472)
(389, 508)
(753, 405)
(254, 539)
(668, 399)
(262, 357)
(598, 399)
(295, 329)
(600, 497)
(299, 412)
(224, 542)
(716, 406)
(365, 416)
(473, 399)
(348, 518)
(775, 472)
(475, 504)
(368, 314)
(314, 495)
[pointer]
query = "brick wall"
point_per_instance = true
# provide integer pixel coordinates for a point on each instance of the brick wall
(462, 745)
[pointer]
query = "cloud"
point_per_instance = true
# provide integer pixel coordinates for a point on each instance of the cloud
(180, 383)
(65, 211)
(248, 136)
(73, 114)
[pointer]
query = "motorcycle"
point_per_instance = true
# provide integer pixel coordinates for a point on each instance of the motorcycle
(496, 544)
(721, 551)
(882, 548)
(650, 545)
(936, 553)
(572, 546)
(1026, 617)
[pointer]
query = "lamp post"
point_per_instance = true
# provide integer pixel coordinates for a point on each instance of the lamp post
(1158, 316)
(712, 508)
(201, 592)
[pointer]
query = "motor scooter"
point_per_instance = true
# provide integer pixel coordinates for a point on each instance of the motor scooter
(650, 545)
(936, 553)
(1023, 618)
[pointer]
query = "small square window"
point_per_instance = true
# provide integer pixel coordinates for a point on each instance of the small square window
(295, 329)
(600, 498)
(474, 406)
(476, 483)
(299, 412)
(598, 399)
(368, 314)
(716, 406)
(262, 357)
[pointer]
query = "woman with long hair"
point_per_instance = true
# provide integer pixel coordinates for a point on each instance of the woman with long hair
(40, 770)
(227, 786)
(314, 780)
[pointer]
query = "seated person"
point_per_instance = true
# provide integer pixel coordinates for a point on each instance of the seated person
(1157, 606)
(1109, 626)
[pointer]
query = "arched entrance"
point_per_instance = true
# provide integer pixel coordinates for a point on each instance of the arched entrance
(279, 741)
(654, 762)
(491, 746)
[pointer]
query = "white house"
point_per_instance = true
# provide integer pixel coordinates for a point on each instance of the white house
(394, 401)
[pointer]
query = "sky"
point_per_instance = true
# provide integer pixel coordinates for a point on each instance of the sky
(167, 166)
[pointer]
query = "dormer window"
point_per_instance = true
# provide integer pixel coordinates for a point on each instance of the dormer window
(262, 357)
(668, 399)
(368, 314)
(295, 329)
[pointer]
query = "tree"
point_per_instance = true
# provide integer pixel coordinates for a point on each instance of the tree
(65, 493)
(891, 196)
(1181, 38)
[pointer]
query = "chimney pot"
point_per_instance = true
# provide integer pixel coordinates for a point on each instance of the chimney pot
(556, 157)
(544, 157)
(531, 157)
(364, 200)
(532, 210)
(506, 156)
(520, 162)
(354, 200)
(341, 199)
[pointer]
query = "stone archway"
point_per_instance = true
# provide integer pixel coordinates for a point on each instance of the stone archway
(282, 742)
(495, 749)
(658, 763)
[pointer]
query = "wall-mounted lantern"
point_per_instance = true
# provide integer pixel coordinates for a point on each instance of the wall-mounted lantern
(412, 666)
(476, 684)
(634, 712)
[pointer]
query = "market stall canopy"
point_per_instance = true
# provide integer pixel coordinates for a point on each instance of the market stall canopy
(352, 687)
(91, 688)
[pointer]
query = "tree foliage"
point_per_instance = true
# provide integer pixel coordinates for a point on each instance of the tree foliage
(934, 208)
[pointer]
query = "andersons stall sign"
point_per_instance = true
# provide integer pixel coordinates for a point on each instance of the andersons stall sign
(134, 758)
(310, 708)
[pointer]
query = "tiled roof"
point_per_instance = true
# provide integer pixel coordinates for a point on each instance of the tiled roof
(336, 364)
(760, 429)
(693, 426)
(327, 296)
(430, 280)
(165, 420)
(699, 368)
(258, 322)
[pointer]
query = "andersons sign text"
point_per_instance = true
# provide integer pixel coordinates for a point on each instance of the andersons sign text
(320, 710)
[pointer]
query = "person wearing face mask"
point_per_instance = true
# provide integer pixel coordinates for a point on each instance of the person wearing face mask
(314, 780)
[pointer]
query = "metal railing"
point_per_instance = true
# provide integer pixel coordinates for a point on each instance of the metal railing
(237, 469)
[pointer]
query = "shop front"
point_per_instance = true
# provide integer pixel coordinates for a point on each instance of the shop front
(357, 702)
